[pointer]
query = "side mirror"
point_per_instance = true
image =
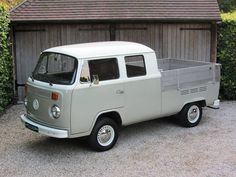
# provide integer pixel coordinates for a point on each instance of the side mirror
(95, 80)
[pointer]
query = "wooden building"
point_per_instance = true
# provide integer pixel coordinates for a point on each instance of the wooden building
(183, 29)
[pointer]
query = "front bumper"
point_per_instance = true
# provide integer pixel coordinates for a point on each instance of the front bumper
(52, 132)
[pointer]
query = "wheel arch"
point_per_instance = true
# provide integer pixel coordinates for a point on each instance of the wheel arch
(200, 101)
(113, 114)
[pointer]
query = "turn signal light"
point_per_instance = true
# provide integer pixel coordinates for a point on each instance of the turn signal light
(55, 96)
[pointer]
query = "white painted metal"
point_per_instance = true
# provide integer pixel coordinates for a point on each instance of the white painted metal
(88, 100)
(57, 133)
(101, 49)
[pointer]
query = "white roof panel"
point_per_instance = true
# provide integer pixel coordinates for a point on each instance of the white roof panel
(101, 49)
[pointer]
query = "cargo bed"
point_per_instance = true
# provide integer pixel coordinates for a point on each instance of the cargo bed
(181, 74)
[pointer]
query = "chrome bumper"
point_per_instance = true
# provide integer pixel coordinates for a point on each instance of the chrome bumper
(52, 132)
(215, 105)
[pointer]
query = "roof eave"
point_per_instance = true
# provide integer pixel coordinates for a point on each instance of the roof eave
(169, 20)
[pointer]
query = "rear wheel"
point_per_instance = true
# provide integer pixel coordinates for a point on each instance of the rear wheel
(190, 115)
(104, 134)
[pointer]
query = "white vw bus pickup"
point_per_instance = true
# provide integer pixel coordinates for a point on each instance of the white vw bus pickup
(93, 89)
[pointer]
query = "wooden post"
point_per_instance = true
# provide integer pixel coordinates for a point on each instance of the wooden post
(213, 42)
(112, 32)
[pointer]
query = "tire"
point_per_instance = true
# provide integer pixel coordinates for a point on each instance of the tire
(104, 134)
(190, 115)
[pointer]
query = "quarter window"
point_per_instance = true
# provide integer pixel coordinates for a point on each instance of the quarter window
(84, 75)
(135, 66)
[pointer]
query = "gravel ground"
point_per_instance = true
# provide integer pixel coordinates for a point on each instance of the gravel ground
(154, 148)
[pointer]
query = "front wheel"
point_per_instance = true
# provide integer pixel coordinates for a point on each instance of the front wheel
(104, 134)
(191, 115)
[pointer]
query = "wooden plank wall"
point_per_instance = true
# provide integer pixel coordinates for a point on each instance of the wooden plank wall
(184, 41)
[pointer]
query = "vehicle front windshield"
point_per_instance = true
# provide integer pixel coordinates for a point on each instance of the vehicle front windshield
(56, 68)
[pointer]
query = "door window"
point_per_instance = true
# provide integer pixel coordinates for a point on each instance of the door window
(104, 69)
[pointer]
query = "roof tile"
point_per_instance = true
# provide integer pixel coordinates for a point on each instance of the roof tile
(79, 10)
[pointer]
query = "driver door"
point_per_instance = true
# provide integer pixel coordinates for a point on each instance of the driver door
(91, 98)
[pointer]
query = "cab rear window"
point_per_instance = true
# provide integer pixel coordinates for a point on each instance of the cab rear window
(135, 66)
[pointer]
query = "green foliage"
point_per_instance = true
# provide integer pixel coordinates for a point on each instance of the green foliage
(8, 4)
(227, 5)
(229, 16)
(6, 80)
(227, 57)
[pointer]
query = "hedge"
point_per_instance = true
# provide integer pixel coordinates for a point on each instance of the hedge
(227, 57)
(227, 5)
(6, 79)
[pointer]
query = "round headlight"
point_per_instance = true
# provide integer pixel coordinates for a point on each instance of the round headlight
(56, 112)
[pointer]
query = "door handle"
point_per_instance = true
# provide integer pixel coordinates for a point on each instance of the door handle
(120, 92)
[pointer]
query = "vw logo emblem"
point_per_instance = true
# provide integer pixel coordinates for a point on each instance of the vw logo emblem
(36, 104)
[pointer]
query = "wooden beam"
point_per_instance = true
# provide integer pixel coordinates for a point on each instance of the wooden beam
(195, 29)
(213, 42)
(112, 32)
(30, 30)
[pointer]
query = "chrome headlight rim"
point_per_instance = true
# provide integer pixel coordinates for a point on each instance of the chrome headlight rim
(55, 111)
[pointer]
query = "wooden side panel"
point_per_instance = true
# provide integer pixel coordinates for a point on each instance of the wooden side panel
(74, 33)
(92, 33)
(134, 33)
(187, 41)
(147, 34)
(156, 39)
(28, 47)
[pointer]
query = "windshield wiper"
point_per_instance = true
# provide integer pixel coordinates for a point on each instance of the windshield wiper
(32, 77)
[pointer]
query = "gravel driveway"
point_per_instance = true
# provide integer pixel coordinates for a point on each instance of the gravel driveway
(154, 148)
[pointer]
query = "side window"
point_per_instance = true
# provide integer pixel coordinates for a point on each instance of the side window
(104, 69)
(135, 66)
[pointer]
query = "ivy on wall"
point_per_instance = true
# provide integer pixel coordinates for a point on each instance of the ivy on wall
(6, 79)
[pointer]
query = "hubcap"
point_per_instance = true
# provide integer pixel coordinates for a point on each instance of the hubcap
(193, 114)
(105, 135)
